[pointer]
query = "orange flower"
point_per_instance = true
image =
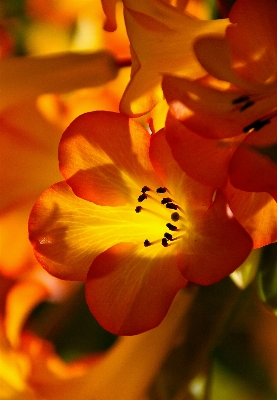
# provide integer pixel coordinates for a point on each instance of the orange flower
(221, 128)
(135, 228)
(243, 110)
(162, 38)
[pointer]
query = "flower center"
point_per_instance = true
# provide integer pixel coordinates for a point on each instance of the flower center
(158, 198)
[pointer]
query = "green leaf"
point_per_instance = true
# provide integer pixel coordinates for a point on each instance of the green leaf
(267, 277)
(269, 151)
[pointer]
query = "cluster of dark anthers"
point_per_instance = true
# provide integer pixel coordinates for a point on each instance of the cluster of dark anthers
(168, 203)
(244, 102)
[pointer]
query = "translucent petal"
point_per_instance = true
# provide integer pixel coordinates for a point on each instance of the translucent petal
(162, 38)
(104, 157)
(68, 232)
(129, 288)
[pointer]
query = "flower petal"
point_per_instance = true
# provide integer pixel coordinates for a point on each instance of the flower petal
(109, 8)
(67, 232)
(162, 38)
(251, 168)
(256, 212)
(104, 157)
(217, 246)
(208, 111)
(205, 160)
(21, 300)
(214, 54)
(185, 189)
(253, 39)
(129, 288)
(53, 74)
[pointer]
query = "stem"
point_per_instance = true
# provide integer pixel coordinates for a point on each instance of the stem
(205, 323)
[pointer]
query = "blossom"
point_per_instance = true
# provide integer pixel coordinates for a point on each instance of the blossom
(221, 128)
(130, 223)
(235, 105)
(161, 38)
(34, 112)
(31, 369)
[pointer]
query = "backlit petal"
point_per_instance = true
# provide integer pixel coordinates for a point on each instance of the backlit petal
(129, 288)
(104, 157)
(205, 160)
(213, 53)
(256, 212)
(109, 8)
(162, 38)
(187, 191)
(217, 245)
(21, 300)
(251, 168)
(208, 111)
(253, 39)
(68, 232)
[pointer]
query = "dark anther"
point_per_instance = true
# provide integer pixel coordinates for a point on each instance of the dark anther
(147, 243)
(138, 209)
(175, 217)
(142, 197)
(145, 189)
(168, 236)
(172, 206)
(166, 200)
(256, 125)
(171, 227)
(247, 105)
(241, 99)
(164, 242)
(161, 190)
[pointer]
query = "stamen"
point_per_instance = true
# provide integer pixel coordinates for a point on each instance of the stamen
(147, 243)
(161, 190)
(171, 227)
(138, 209)
(172, 206)
(166, 200)
(142, 197)
(168, 236)
(175, 217)
(145, 189)
(164, 242)
(247, 105)
(256, 125)
(241, 99)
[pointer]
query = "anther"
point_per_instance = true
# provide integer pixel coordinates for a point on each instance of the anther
(142, 197)
(147, 243)
(175, 217)
(172, 206)
(166, 200)
(256, 125)
(168, 236)
(164, 242)
(247, 105)
(171, 227)
(145, 189)
(240, 99)
(161, 190)
(138, 209)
